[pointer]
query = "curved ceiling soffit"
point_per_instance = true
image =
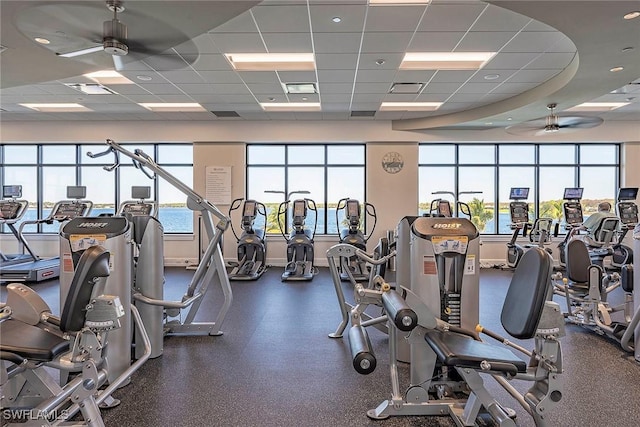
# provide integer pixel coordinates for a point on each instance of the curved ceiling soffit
(575, 84)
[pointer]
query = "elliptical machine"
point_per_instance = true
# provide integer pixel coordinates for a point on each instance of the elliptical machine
(628, 213)
(252, 245)
(352, 235)
(519, 211)
(300, 241)
(573, 218)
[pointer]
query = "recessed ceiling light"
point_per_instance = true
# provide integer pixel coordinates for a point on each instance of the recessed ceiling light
(616, 69)
(91, 88)
(632, 15)
(272, 61)
(290, 106)
(172, 107)
(108, 77)
(42, 40)
(597, 106)
(627, 49)
(631, 98)
(509, 118)
(380, 61)
(66, 107)
(410, 106)
(445, 60)
(492, 76)
(336, 19)
(144, 78)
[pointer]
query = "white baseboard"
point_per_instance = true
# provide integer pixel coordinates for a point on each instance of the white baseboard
(179, 262)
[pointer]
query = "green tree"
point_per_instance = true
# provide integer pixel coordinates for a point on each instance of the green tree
(551, 209)
(480, 215)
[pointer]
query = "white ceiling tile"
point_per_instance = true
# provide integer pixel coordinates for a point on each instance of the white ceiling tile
(259, 76)
(477, 88)
(509, 61)
(486, 41)
(393, 18)
(538, 26)
(533, 76)
(497, 17)
(210, 89)
(238, 42)
(503, 75)
(162, 89)
(333, 98)
(378, 88)
(200, 44)
(282, 18)
(432, 97)
(352, 16)
(514, 88)
(336, 76)
(222, 77)
(453, 76)
(182, 76)
(368, 61)
(310, 97)
(417, 76)
(236, 99)
(336, 42)
(338, 61)
(367, 98)
(337, 88)
(297, 76)
(380, 42)
(430, 41)
(450, 17)
(534, 42)
(441, 88)
(327, 115)
(556, 61)
(264, 88)
(337, 106)
(242, 23)
(212, 62)
(288, 42)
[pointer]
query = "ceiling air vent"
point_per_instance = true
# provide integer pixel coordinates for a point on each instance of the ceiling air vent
(363, 113)
(225, 114)
(410, 88)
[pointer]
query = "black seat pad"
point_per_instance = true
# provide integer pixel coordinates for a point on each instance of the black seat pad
(462, 351)
(30, 342)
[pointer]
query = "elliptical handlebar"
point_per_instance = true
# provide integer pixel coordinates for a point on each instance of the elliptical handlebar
(109, 150)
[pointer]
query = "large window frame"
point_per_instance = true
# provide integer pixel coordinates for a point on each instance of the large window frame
(320, 163)
(80, 164)
(571, 161)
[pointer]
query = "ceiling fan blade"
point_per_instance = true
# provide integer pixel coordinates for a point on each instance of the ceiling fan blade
(81, 52)
(579, 122)
(118, 62)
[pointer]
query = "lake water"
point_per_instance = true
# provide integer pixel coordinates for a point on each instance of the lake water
(179, 220)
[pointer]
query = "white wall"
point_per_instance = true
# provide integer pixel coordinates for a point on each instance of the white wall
(394, 195)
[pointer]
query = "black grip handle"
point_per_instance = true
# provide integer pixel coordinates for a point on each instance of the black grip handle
(364, 361)
(398, 311)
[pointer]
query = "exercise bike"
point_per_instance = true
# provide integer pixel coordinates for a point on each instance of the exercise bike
(353, 235)
(300, 252)
(519, 212)
(252, 245)
(628, 213)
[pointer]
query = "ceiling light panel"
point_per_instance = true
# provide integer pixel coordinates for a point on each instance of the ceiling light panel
(410, 106)
(290, 106)
(108, 77)
(57, 107)
(173, 107)
(397, 2)
(411, 88)
(445, 60)
(598, 106)
(271, 61)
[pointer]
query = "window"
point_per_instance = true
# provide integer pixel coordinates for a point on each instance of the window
(45, 171)
(492, 169)
(327, 172)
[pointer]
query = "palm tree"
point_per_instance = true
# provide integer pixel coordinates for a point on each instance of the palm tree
(551, 209)
(480, 215)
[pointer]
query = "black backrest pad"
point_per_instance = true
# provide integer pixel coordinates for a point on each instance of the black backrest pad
(578, 261)
(93, 263)
(528, 291)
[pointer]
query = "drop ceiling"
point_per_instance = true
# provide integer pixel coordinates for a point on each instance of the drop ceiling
(547, 51)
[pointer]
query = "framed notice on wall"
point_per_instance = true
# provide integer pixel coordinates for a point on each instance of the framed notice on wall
(218, 184)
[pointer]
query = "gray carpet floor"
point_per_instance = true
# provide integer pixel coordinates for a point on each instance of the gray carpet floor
(275, 366)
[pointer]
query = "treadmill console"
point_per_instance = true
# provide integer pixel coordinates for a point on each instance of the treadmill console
(10, 210)
(628, 213)
(11, 191)
(519, 212)
(573, 213)
(69, 210)
(136, 209)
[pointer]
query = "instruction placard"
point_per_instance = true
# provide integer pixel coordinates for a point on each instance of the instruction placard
(218, 184)
(470, 265)
(457, 244)
(80, 242)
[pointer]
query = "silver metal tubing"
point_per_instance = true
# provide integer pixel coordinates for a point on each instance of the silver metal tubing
(164, 303)
(628, 335)
(513, 392)
(375, 321)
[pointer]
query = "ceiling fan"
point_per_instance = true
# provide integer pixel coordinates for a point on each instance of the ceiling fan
(553, 123)
(70, 31)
